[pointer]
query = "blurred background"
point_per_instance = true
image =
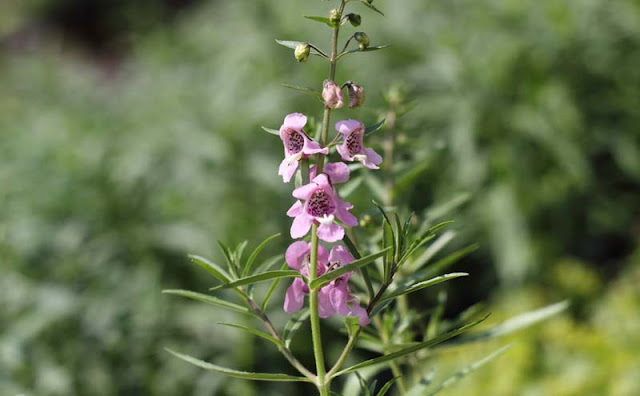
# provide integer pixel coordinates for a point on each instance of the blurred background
(130, 136)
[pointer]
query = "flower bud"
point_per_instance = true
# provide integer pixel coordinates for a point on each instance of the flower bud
(355, 19)
(334, 17)
(362, 39)
(369, 1)
(302, 52)
(356, 94)
(332, 95)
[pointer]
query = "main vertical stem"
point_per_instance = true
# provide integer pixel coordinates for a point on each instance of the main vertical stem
(323, 384)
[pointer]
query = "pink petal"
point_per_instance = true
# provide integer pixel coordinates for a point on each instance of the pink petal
(338, 172)
(287, 169)
(341, 255)
(372, 160)
(339, 299)
(295, 121)
(330, 232)
(304, 192)
(294, 297)
(295, 209)
(344, 152)
(322, 180)
(313, 147)
(295, 254)
(323, 258)
(348, 126)
(325, 307)
(347, 218)
(301, 225)
(361, 313)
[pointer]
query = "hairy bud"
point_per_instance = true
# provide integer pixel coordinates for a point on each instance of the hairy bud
(332, 95)
(302, 52)
(355, 19)
(362, 39)
(356, 94)
(334, 17)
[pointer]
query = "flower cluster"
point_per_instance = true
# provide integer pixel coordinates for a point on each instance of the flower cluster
(318, 203)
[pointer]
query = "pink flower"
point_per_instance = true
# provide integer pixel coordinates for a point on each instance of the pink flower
(338, 172)
(336, 296)
(352, 148)
(332, 95)
(296, 145)
(322, 206)
(298, 257)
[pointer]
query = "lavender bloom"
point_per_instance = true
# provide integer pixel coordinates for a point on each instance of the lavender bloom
(296, 145)
(332, 95)
(322, 206)
(298, 257)
(352, 147)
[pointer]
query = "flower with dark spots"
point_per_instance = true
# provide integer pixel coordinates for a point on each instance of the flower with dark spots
(322, 206)
(352, 147)
(297, 145)
(298, 257)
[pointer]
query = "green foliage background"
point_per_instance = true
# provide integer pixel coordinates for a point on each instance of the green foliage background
(116, 161)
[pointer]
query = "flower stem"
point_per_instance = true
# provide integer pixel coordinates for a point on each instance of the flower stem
(315, 318)
(323, 381)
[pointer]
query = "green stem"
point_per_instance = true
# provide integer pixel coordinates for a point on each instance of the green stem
(323, 382)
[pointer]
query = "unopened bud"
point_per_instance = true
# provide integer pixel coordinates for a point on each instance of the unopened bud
(362, 39)
(356, 94)
(365, 220)
(369, 1)
(355, 19)
(332, 95)
(334, 17)
(302, 52)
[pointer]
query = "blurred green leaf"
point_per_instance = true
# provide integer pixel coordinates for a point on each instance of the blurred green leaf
(375, 127)
(236, 373)
(271, 131)
(209, 300)
(422, 285)
(320, 19)
(255, 332)
(261, 277)
(211, 268)
(306, 90)
(256, 252)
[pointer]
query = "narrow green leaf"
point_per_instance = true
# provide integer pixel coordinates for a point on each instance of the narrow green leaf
(237, 255)
(320, 19)
(303, 90)
(368, 49)
(272, 288)
(264, 276)
(228, 255)
(432, 250)
(365, 272)
(363, 385)
(383, 391)
(331, 275)
(209, 300)
(293, 325)
(210, 267)
(293, 44)
(470, 368)
(406, 351)
(371, 6)
(423, 284)
(434, 321)
(255, 332)
(271, 131)
(349, 187)
(237, 373)
(375, 186)
(372, 128)
(256, 252)
(516, 323)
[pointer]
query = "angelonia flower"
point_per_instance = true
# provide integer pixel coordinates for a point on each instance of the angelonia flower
(338, 172)
(334, 298)
(296, 145)
(322, 206)
(356, 94)
(352, 147)
(332, 95)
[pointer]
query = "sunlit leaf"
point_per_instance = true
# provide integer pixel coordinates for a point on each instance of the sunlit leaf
(423, 284)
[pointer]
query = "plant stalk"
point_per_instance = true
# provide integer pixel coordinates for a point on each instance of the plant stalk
(323, 382)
